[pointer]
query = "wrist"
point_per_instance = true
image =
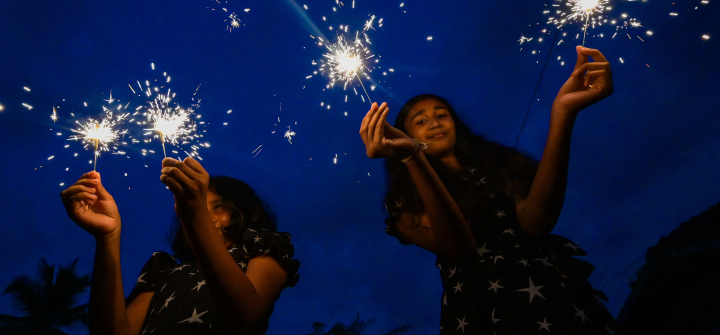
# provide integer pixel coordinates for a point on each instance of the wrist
(110, 238)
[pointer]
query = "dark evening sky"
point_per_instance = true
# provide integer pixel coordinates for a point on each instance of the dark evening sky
(643, 160)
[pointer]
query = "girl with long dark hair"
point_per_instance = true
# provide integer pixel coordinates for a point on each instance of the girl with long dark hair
(229, 265)
(486, 211)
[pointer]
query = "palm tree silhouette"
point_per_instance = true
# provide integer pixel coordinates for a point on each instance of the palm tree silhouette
(46, 302)
(357, 327)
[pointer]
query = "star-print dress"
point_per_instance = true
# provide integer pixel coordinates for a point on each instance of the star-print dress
(182, 303)
(515, 284)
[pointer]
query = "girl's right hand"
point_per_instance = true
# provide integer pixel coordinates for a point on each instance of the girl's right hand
(91, 206)
(381, 139)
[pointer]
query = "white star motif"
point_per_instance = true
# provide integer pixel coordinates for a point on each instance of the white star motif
(257, 239)
(199, 285)
(472, 171)
(544, 324)
(610, 332)
(492, 317)
(597, 297)
(517, 245)
(397, 204)
(498, 257)
(452, 272)
(570, 245)
(533, 290)
(244, 249)
(462, 324)
(492, 195)
(509, 231)
(242, 264)
(167, 301)
(445, 299)
(581, 314)
(545, 262)
(163, 287)
(458, 287)
(178, 268)
(562, 283)
(233, 249)
(524, 262)
(140, 280)
(195, 317)
(482, 250)
(483, 180)
(500, 214)
(494, 286)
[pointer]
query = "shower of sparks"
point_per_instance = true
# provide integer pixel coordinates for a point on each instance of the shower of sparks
(584, 9)
(174, 124)
(99, 134)
(233, 22)
(54, 115)
(524, 39)
(345, 61)
(289, 134)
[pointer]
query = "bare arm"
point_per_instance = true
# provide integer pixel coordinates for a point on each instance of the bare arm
(589, 83)
(93, 209)
(243, 298)
(448, 233)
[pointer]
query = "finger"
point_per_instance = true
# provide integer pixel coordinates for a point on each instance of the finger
(181, 178)
(595, 54)
(84, 197)
(72, 190)
(590, 67)
(591, 78)
(172, 184)
(170, 162)
(193, 164)
(380, 126)
(366, 119)
(373, 120)
(582, 58)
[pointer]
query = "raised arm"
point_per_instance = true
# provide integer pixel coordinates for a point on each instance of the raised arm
(442, 229)
(243, 298)
(589, 83)
(94, 209)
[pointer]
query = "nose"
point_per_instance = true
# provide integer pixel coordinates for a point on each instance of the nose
(434, 124)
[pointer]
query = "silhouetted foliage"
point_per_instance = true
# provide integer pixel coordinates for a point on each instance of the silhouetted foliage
(46, 302)
(357, 327)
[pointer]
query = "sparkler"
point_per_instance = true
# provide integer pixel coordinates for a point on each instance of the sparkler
(584, 9)
(345, 60)
(172, 123)
(101, 134)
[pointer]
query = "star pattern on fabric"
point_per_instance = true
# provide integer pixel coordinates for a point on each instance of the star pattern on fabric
(398, 204)
(483, 180)
(581, 314)
(472, 171)
(233, 249)
(482, 250)
(492, 195)
(199, 285)
(452, 272)
(495, 285)
(572, 246)
(500, 214)
(257, 239)
(544, 324)
(167, 301)
(509, 231)
(496, 258)
(545, 262)
(195, 317)
(140, 280)
(444, 299)
(458, 287)
(163, 287)
(524, 262)
(462, 324)
(242, 264)
(179, 268)
(610, 331)
(533, 290)
(492, 317)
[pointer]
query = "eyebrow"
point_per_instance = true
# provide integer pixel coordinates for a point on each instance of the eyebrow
(215, 201)
(423, 111)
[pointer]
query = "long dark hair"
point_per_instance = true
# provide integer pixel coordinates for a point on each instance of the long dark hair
(248, 211)
(508, 170)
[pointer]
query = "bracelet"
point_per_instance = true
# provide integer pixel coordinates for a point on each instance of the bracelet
(418, 146)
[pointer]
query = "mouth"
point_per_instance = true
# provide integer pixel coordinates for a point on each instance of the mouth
(437, 136)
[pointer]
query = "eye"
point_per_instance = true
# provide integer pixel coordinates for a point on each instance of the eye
(442, 116)
(217, 206)
(421, 121)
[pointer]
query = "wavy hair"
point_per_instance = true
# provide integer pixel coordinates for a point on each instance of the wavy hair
(247, 210)
(508, 170)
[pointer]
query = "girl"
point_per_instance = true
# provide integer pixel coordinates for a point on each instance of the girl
(486, 211)
(229, 267)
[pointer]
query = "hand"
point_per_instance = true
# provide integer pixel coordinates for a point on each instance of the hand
(589, 83)
(188, 182)
(380, 138)
(91, 206)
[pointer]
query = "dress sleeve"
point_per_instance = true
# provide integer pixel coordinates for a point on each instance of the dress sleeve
(276, 245)
(394, 208)
(150, 275)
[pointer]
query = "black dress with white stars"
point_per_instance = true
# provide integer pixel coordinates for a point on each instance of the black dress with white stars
(182, 304)
(515, 284)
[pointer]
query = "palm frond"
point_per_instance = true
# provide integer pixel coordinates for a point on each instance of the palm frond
(26, 294)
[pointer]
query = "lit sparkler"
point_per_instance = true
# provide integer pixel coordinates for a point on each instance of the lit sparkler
(54, 115)
(585, 9)
(100, 134)
(345, 61)
(173, 124)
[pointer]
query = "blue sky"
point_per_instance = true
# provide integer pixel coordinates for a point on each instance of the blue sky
(643, 161)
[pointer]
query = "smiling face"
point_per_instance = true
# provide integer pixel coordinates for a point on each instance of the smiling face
(429, 120)
(219, 213)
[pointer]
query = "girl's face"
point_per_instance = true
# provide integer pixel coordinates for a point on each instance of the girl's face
(219, 213)
(430, 121)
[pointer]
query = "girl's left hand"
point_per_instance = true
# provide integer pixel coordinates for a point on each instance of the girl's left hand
(188, 182)
(589, 83)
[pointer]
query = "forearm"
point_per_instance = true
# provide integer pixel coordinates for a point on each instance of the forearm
(539, 212)
(106, 311)
(229, 287)
(449, 227)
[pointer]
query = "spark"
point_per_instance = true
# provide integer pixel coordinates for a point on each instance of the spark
(54, 116)
(173, 123)
(2, 108)
(289, 134)
(524, 39)
(234, 21)
(585, 9)
(344, 61)
(26, 105)
(27, 89)
(429, 38)
(110, 100)
(100, 134)
(706, 37)
(369, 23)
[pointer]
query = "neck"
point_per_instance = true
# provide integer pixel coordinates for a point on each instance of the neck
(451, 161)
